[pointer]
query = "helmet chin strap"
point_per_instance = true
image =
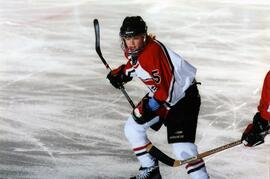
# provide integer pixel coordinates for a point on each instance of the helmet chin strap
(133, 55)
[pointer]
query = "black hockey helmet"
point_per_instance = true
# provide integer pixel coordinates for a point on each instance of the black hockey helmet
(132, 26)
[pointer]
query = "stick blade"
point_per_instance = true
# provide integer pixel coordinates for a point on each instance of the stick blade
(158, 154)
(97, 33)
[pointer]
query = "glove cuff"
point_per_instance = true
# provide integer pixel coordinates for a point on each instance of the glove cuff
(260, 124)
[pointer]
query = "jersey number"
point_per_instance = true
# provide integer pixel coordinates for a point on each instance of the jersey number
(156, 76)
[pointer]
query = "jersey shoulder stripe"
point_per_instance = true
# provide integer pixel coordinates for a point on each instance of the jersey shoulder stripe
(164, 49)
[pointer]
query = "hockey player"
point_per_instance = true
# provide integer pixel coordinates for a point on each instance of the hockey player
(173, 98)
(255, 132)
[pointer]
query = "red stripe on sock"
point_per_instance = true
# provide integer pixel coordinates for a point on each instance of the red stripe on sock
(142, 147)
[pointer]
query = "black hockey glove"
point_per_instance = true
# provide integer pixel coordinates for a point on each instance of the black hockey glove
(145, 110)
(255, 133)
(117, 77)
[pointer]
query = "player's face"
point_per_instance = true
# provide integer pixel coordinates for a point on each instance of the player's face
(134, 43)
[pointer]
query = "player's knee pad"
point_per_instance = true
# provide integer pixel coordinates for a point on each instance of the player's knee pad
(135, 133)
(184, 150)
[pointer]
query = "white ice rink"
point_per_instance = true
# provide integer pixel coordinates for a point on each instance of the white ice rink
(60, 118)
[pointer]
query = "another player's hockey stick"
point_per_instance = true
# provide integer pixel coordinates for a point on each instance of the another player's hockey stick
(175, 163)
(97, 33)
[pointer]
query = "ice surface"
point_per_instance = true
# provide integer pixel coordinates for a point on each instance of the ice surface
(59, 116)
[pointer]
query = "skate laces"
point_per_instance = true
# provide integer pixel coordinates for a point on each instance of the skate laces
(144, 173)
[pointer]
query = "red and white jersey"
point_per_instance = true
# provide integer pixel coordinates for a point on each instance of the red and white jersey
(166, 74)
(264, 106)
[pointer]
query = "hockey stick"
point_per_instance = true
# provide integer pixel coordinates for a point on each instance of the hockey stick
(97, 33)
(175, 163)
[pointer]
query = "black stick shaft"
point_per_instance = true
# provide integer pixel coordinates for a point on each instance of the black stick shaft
(98, 50)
